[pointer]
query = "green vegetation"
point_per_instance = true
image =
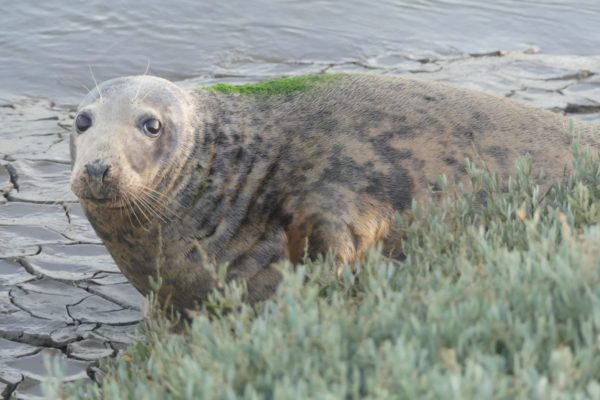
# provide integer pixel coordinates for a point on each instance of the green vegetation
(498, 298)
(282, 87)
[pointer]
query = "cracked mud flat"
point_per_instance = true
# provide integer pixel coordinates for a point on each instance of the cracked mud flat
(61, 294)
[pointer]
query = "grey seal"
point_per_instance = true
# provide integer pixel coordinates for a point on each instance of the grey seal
(171, 179)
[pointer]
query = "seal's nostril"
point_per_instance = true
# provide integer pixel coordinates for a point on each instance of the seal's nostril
(97, 171)
(105, 174)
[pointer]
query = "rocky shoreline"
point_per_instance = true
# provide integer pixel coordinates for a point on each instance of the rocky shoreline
(60, 292)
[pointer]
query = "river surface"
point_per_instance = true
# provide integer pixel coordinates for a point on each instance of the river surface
(47, 48)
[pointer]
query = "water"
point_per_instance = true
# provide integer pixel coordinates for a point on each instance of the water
(46, 48)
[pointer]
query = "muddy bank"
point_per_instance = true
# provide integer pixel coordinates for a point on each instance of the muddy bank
(60, 292)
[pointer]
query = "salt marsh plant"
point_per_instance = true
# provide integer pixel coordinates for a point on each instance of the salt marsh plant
(497, 297)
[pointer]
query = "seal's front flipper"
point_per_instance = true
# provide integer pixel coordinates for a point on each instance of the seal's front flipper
(263, 284)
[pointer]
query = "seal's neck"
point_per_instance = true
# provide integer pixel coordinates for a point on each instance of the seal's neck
(234, 155)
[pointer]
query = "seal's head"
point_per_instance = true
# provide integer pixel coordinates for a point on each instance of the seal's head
(129, 135)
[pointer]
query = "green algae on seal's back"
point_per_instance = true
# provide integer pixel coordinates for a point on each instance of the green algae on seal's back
(254, 174)
(276, 87)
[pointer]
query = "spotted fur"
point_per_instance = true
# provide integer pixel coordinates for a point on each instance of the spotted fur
(252, 179)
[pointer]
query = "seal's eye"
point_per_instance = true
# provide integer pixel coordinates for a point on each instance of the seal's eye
(152, 127)
(83, 122)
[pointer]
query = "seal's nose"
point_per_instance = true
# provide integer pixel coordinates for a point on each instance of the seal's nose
(97, 171)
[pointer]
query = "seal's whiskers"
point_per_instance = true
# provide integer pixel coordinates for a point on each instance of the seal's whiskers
(151, 209)
(137, 92)
(157, 202)
(95, 81)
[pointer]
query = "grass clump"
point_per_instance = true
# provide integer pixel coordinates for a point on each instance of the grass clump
(279, 87)
(497, 299)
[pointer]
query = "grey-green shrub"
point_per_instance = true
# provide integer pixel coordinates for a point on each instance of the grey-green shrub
(498, 298)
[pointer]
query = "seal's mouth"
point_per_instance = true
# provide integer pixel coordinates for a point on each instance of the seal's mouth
(105, 202)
